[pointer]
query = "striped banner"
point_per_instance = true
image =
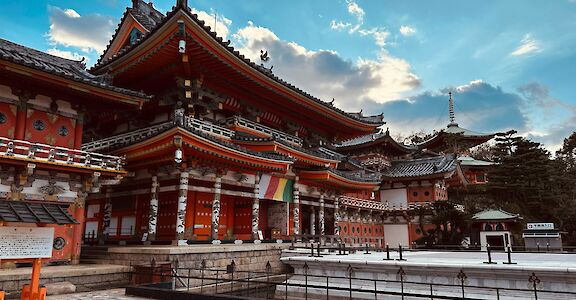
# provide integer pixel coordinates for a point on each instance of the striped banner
(276, 188)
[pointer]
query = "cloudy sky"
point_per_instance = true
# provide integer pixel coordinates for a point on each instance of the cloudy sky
(511, 64)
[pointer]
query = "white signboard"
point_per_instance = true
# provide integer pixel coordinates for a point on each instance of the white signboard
(540, 226)
(26, 242)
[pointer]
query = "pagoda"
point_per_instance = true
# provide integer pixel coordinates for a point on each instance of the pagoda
(224, 149)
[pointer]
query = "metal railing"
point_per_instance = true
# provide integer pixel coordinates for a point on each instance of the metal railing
(53, 154)
(187, 283)
(239, 121)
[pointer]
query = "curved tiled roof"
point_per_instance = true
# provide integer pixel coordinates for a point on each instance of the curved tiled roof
(62, 67)
(375, 120)
(252, 138)
(495, 214)
(384, 135)
(421, 167)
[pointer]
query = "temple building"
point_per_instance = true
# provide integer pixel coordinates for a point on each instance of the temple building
(45, 176)
(212, 147)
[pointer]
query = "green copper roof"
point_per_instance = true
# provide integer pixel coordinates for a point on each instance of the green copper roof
(495, 215)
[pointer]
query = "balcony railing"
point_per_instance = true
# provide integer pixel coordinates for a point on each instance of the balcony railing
(239, 121)
(126, 138)
(52, 154)
(208, 128)
(382, 206)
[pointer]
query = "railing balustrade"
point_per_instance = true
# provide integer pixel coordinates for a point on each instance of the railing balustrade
(126, 137)
(54, 154)
(239, 121)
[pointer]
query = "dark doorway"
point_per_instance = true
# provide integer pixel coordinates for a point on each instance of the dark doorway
(496, 242)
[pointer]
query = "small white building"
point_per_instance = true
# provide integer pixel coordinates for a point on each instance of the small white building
(493, 227)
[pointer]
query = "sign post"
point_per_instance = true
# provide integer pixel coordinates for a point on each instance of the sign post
(28, 243)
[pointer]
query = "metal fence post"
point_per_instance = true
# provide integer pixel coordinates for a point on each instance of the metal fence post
(286, 294)
(535, 281)
(431, 291)
(509, 256)
(268, 269)
(462, 276)
(202, 267)
(231, 268)
(350, 273)
(489, 252)
(306, 280)
(401, 273)
(216, 288)
(327, 288)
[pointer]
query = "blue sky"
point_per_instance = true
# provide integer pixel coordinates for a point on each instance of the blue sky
(511, 64)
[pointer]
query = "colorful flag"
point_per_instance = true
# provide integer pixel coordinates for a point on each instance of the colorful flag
(276, 188)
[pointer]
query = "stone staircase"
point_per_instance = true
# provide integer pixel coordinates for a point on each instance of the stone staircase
(94, 254)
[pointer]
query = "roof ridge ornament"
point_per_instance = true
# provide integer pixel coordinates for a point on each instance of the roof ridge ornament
(182, 3)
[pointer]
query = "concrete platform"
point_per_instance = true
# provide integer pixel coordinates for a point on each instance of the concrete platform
(556, 272)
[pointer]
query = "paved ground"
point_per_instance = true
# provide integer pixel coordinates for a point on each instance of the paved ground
(104, 295)
(551, 260)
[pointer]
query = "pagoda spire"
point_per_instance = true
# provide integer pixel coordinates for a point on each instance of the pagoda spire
(451, 109)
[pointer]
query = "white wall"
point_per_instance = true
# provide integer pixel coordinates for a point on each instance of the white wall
(395, 234)
(394, 197)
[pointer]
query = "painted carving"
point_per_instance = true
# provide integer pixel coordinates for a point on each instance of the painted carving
(51, 190)
(107, 217)
(256, 208)
(153, 215)
(296, 212)
(321, 216)
(216, 208)
(182, 198)
(336, 217)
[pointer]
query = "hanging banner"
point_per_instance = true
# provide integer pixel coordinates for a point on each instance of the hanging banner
(276, 188)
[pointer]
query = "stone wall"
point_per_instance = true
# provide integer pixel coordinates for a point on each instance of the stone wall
(85, 278)
(247, 257)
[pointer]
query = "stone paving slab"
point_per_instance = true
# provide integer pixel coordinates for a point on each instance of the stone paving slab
(103, 295)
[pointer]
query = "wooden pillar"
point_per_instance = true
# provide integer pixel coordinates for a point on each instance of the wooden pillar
(107, 217)
(181, 216)
(296, 211)
(216, 207)
(321, 216)
(35, 279)
(256, 208)
(153, 214)
(312, 220)
(337, 216)
(19, 131)
(78, 133)
(78, 235)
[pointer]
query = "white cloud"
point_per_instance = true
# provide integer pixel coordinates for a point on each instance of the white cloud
(527, 45)
(407, 30)
(67, 54)
(377, 33)
(71, 13)
(222, 23)
(339, 25)
(325, 74)
(70, 29)
(355, 10)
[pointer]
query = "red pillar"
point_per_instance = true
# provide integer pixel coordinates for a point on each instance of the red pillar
(78, 231)
(19, 132)
(78, 133)
(190, 214)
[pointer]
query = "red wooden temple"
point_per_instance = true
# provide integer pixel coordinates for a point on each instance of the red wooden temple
(212, 147)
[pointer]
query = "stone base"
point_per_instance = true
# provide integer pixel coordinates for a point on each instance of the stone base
(180, 243)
